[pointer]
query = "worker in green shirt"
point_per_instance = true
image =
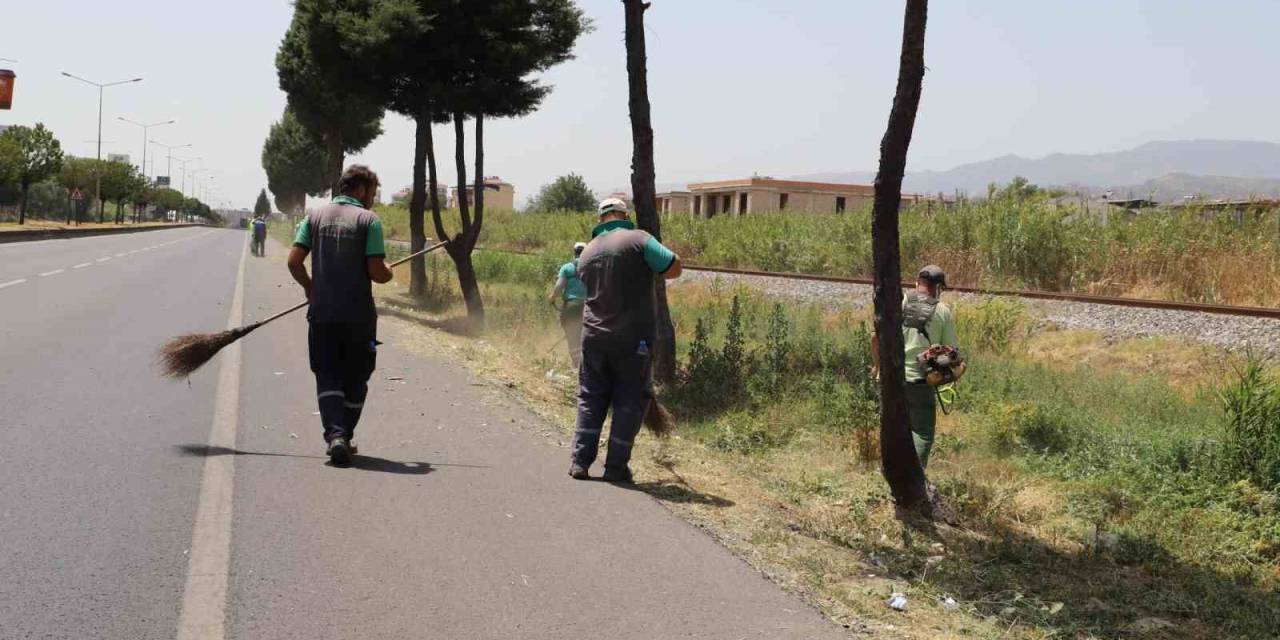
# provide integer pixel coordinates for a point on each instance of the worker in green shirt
(926, 321)
(344, 239)
(572, 294)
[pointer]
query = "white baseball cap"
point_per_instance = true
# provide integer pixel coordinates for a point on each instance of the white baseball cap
(611, 205)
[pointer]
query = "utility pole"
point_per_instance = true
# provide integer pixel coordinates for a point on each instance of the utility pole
(97, 189)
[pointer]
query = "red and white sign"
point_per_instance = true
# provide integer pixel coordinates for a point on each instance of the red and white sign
(76, 195)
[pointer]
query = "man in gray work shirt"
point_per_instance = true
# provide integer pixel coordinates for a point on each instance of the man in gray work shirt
(345, 241)
(619, 325)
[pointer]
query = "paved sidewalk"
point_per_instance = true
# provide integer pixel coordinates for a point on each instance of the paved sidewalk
(457, 521)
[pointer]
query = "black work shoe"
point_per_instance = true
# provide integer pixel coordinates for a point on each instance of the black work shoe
(578, 472)
(339, 451)
(618, 477)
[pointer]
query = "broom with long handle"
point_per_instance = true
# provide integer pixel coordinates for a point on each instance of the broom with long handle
(181, 356)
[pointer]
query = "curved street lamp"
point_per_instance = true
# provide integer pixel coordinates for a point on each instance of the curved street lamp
(144, 127)
(100, 85)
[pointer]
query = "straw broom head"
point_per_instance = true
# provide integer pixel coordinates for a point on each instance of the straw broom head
(658, 420)
(181, 356)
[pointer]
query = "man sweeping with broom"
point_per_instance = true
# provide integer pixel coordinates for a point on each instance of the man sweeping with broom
(618, 330)
(344, 239)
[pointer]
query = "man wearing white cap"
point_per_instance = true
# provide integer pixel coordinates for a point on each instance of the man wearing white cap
(619, 324)
(572, 293)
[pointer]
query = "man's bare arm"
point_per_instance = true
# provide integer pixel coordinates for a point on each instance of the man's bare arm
(674, 271)
(298, 268)
(379, 270)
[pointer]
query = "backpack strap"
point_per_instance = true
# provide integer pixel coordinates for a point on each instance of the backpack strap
(917, 311)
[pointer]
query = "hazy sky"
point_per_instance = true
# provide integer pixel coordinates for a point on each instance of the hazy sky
(778, 87)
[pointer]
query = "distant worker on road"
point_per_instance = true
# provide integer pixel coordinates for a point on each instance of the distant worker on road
(931, 354)
(347, 251)
(572, 294)
(259, 230)
(619, 325)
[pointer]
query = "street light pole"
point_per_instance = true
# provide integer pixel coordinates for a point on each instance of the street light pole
(97, 190)
(169, 149)
(144, 127)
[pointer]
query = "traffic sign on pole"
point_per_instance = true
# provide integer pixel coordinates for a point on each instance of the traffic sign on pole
(76, 195)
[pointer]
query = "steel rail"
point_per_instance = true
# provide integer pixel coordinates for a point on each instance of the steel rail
(1115, 301)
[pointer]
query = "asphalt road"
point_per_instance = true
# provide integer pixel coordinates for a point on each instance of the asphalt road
(457, 520)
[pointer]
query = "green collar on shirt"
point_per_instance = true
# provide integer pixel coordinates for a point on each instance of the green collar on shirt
(612, 225)
(348, 200)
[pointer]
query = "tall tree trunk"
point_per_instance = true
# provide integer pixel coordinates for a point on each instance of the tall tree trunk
(899, 463)
(478, 219)
(334, 155)
(463, 243)
(433, 184)
(642, 178)
(417, 206)
(22, 206)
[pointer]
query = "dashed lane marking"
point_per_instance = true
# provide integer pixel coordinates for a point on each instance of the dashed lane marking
(12, 282)
(82, 265)
(52, 273)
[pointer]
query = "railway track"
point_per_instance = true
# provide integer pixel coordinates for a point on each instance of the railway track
(1251, 312)
(1114, 301)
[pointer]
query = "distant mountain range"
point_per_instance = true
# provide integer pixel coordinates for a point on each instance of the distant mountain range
(1167, 170)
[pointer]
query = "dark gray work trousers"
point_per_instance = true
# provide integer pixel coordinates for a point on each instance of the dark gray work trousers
(617, 376)
(343, 356)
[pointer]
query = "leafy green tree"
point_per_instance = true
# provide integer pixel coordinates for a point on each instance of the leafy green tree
(263, 206)
(486, 58)
(77, 173)
(295, 164)
(317, 76)
(166, 199)
(566, 193)
(121, 183)
(41, 157)
(10, 160)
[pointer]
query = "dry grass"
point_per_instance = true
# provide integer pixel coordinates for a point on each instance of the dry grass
(820, 523)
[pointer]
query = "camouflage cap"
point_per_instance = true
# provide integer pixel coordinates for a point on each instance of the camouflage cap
(932, 273)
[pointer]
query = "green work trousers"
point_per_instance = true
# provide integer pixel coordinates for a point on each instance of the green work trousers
(922, 410)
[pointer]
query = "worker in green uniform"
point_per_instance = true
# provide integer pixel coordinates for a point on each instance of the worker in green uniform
(926, 321)
(572, 294)
(344, 239)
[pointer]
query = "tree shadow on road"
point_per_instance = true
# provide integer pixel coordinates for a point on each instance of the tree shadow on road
(358, 461)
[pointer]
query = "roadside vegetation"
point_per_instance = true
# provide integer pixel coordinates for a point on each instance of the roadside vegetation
(1128, 490)
(1002, 242)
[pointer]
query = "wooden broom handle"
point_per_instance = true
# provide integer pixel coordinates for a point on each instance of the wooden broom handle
(393, 264)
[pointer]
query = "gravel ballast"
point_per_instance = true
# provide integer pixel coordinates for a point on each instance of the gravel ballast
(1235, 333)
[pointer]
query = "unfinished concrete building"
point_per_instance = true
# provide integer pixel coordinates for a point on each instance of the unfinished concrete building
(763, 195)
(497, 195)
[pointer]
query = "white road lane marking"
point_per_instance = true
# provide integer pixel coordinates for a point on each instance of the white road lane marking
(204, 600)
(12, 282)
(104, 259)
(121, 255)
(52, 273)
(82, 265)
